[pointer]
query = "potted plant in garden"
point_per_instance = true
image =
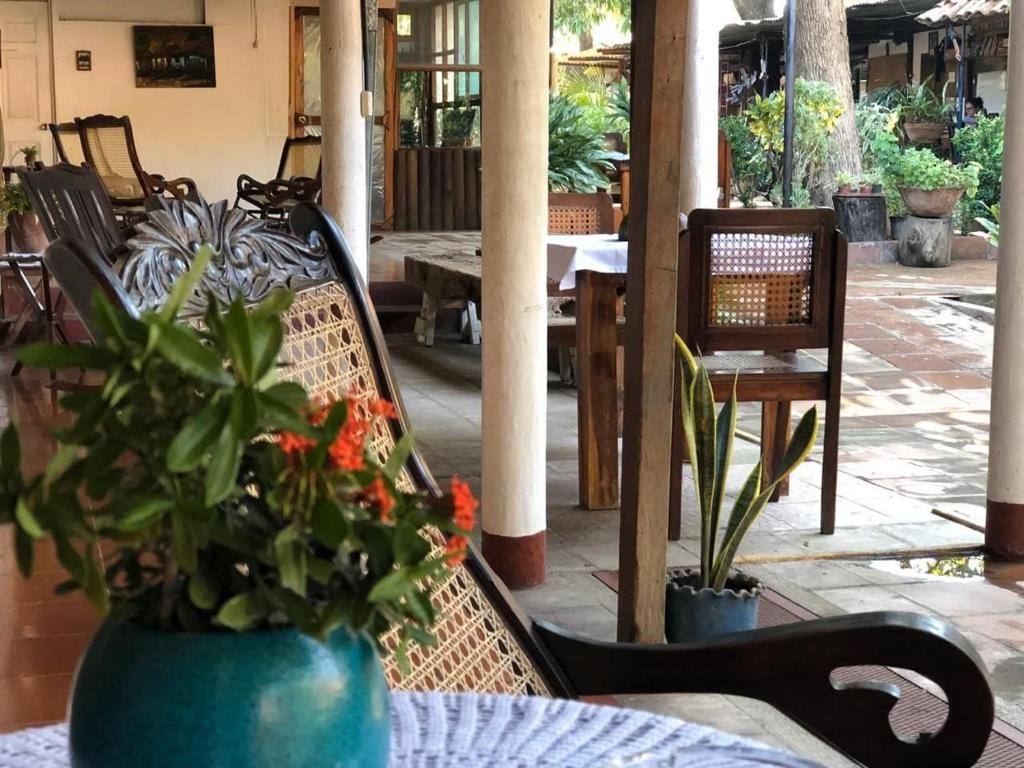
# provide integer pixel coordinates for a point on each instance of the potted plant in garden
(30, 153)
(712, 601)
(457, 125)
(251, 546)
(844, 182)
(16, 212)
(923, 114)
(931, 186)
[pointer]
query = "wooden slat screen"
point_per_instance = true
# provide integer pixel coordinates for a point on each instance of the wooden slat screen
(437, 189)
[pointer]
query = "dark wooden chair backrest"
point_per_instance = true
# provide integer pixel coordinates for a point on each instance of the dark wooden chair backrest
(81, 273)
(109, 147)
(71, 202)
(580, 213)
(67, 142)
(300, 158)
(761, 279)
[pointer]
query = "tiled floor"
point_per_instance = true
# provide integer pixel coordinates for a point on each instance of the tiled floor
(914, 437)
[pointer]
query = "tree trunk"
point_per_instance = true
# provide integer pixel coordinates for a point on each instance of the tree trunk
(823, 53)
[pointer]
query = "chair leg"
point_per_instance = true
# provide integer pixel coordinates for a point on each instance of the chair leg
(566, 366)
(830, 467)
(775, 426)
(426, 321)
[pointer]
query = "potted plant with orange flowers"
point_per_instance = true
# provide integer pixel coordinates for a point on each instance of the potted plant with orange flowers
(244, 546)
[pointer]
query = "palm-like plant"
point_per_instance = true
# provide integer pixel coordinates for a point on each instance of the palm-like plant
(709, 446)
(577, 158)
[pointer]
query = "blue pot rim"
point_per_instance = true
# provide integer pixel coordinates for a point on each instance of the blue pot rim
(749, 588)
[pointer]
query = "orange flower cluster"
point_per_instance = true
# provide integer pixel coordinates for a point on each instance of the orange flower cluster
(464, 506)
(349, 446)
(377, 493)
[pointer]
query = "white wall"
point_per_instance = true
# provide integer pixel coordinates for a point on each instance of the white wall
(208, 134)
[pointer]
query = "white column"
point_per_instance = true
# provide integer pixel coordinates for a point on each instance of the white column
(514, 60)
(344, 127)
(1004, 528)
(698, 183)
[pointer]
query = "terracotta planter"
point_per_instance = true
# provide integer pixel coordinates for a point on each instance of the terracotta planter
(26, 233)
(923, 133)
(931, 203)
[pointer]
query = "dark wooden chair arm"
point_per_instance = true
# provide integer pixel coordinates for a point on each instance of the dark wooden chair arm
(790, 666)
(181, 188)
(277, 191)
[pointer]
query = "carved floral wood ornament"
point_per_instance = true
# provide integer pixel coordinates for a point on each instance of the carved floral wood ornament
(250, 258)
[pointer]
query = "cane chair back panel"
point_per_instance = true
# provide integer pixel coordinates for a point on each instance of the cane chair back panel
(109, 148)
(71, 202)
(300, 158)
(67, 142)
(334, 343)
(758, 279)
(571, 213)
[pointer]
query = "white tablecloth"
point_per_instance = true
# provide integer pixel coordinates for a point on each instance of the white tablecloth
(439, 730)
(569, 254)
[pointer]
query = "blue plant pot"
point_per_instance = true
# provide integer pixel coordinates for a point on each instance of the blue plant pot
(271, 699)
(695, 613)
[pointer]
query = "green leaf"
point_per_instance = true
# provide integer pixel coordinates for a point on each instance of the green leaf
(288, 393)
(186, 284)
(291, 561)
(183, 543)
(703, 461)
(70, 559)
(27, 520)
(299, 611)
(196, 437)
(277, 414)
(267, 337)
(143, 512)
(24, 551)
(726, 428)
(239, 341)
(399, 456)
(94, 586)
(64, 356)
(329, 524)
(243, 413)
(393, 586)
(800, 444)
(410, 547)
(10, 455)
(222, 473)
(274, 305)
(420, 607)
(242, 611)
(204, 590)
(60, 463)
(182, 348)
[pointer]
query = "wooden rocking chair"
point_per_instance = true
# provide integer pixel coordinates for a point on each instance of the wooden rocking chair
(486, 644)
(297, 180)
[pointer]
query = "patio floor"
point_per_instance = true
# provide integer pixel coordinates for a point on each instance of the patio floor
(913, 457)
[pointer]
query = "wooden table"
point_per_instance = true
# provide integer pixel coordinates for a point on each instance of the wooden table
(448, 279)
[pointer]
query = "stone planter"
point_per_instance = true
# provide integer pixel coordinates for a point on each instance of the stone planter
(931, 203)
(923, 133)
(694, 613)
(861, 217)
(926, 242)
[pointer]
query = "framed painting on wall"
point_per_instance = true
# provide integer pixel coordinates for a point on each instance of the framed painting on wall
(174, 57)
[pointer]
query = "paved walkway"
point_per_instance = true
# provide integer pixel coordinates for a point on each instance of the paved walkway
(913, 440)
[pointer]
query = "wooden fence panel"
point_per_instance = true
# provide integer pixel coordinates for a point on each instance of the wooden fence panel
(437, 189)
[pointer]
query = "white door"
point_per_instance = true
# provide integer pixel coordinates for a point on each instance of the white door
(25, 79)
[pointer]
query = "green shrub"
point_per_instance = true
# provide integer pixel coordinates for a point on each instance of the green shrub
(577, 158)
(983, 144)
(749, 163)
(922, 105)
(816, 115)
(923, 169)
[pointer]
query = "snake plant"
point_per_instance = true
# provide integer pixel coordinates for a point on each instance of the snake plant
(709, 445)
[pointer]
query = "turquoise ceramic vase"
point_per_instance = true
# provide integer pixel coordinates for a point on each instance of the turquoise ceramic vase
(272, 699)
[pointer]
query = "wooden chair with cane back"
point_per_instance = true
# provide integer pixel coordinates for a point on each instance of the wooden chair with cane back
(67, 142)
(484, 642)
(573, 213)
(762, 297)
(108, 144)
(297, 179)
